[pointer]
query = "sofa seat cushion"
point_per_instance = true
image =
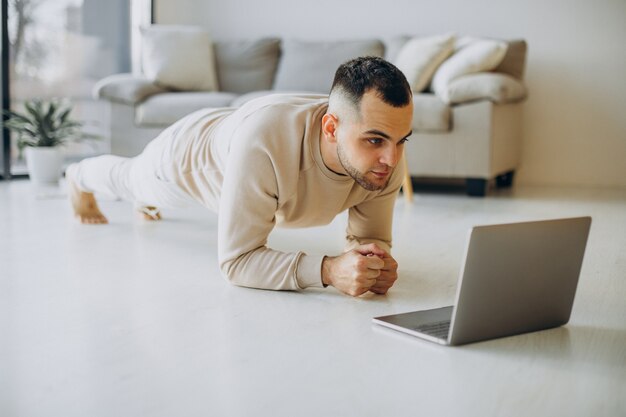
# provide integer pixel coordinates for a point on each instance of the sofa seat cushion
(245, 66)
(126, 88)
(165, 109)
(430, 114)
(244, 98)
(311, 66)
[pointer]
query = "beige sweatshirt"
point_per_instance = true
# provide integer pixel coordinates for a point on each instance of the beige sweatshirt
(260, 166)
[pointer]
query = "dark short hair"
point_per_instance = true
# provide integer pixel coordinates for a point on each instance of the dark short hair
(359, 75)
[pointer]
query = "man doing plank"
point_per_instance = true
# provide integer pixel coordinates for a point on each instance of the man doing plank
(280, 160)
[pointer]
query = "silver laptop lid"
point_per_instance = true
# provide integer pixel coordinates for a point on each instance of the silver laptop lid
(518, 278)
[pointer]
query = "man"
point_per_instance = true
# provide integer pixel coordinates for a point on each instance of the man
(292, 161)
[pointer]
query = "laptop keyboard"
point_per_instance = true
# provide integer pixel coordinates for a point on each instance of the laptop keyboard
(438, 329)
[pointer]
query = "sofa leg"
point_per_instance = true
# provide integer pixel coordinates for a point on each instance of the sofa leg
(407, 188)
(476, 187)
(407, 184)
(505, 180)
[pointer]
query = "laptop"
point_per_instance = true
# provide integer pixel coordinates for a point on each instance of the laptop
(516, 278)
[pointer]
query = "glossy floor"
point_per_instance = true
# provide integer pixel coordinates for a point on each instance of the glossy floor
(134, 319)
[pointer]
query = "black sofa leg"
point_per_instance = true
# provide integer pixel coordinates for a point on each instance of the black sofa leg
(476, 187)
(505, 180)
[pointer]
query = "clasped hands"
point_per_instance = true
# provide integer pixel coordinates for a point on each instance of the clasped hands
(365, 268)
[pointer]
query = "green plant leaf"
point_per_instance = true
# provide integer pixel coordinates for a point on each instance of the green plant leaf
(63, 116)
(44, 124)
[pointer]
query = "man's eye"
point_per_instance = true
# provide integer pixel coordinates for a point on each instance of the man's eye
(403, 141)
(375, 141)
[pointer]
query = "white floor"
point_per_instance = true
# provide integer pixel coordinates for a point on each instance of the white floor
(133, 319)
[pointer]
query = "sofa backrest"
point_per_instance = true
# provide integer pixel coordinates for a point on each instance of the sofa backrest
(514, 62)
(294, 65)
(245, 66)
(310, 65)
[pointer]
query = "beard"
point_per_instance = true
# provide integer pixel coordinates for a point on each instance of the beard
(357, 175)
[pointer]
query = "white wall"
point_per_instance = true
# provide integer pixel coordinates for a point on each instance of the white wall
(575, 118)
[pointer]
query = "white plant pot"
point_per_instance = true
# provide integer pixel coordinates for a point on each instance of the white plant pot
(45, 164)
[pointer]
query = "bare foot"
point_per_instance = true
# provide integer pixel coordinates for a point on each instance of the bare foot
(150, 213)
(84, 205)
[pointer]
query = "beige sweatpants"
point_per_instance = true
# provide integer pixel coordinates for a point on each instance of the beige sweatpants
(145, 180)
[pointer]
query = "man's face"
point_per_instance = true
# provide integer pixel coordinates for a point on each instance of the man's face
(370, 146)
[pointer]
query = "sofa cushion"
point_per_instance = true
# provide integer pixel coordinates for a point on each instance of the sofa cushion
(430, 114)
(477, 56)
(393, 46)
(164, 109)
(244, 98)
(245, 66)
(514, 61)
(420, 57)
(179, 57)
(499, 88)
(311, 66)
(126, 88)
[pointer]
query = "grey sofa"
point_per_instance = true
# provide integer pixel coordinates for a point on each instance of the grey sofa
(477, 139)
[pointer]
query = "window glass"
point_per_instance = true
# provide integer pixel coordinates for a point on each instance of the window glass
(59, 49)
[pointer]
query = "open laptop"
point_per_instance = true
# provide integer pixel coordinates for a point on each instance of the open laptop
(516, 278)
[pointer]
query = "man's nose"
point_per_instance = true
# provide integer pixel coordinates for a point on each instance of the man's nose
(390, 156)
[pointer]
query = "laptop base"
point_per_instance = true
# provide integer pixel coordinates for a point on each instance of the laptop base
(432, 325)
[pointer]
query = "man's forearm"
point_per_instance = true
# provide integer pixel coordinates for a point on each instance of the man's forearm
(267, 268)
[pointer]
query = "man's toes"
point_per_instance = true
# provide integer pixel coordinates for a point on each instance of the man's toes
(99, 220)
(88, 220)
(149, 213)
(93, 219)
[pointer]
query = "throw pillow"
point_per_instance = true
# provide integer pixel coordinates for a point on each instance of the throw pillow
(419, 58)
(499, 88)
(477, 56)
(178, 57)
(393, 46)
(311, 65)
(244, 66)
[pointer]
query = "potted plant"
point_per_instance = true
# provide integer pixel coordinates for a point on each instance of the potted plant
(41, 131)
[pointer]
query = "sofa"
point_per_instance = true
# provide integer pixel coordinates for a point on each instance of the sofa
(468, 92)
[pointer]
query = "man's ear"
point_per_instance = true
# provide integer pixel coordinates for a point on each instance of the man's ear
(329, 127)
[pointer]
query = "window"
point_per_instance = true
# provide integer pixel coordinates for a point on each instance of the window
(60, 49)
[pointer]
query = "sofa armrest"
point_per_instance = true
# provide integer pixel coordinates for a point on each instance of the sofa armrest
(126, 89)
(496, 87)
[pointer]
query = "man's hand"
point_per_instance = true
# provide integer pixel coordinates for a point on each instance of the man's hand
(366, 268)
(388, 275)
